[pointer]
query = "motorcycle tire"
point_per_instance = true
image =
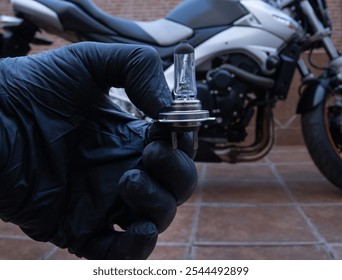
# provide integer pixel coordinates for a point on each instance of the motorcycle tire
(320, 143)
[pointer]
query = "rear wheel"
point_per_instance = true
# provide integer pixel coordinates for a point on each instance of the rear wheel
(322, 131)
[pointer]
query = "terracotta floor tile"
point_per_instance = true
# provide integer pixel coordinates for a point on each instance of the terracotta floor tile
(238, 172)
(327, 219)
(252, 224)
(337, 251)
(299, 172)
(168, 253)
(218, 191)
(15, 249)
(288, 136)
(180, 229)
(262, 253)
(10, 229)
(289, 154)
(319, 191)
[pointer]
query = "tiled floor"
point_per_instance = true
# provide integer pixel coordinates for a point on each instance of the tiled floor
(277, 208)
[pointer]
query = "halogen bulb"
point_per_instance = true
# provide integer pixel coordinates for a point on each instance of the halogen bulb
(186, 112)
(185, 80)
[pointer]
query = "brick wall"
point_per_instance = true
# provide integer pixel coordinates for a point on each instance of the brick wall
(287, 124)
(138, 9)
(335, 8)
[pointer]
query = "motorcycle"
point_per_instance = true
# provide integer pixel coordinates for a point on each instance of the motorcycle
(247, 52)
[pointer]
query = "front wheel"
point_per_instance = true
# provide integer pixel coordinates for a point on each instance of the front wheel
(322, 132)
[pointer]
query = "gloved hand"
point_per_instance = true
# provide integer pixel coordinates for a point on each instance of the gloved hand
(72, 164)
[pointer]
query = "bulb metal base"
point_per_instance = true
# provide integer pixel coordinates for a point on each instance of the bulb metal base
(185, 116)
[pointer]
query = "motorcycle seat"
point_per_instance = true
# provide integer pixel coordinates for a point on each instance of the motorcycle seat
(165, 32)
(161, 32)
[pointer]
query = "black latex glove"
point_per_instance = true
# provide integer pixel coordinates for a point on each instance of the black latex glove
(72, 164)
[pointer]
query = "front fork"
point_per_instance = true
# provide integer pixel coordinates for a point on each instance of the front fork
(317, 89)
(323, 34)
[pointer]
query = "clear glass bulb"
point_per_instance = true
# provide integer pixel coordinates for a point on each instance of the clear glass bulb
(185, 79)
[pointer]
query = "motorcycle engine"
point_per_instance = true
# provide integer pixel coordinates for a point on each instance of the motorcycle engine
(226, 98)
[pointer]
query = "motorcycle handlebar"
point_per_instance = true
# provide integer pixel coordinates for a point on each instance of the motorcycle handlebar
(9, 21)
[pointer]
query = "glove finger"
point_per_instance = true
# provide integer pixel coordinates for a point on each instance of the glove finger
(146, 199)
(172, 168)
(136, 243)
